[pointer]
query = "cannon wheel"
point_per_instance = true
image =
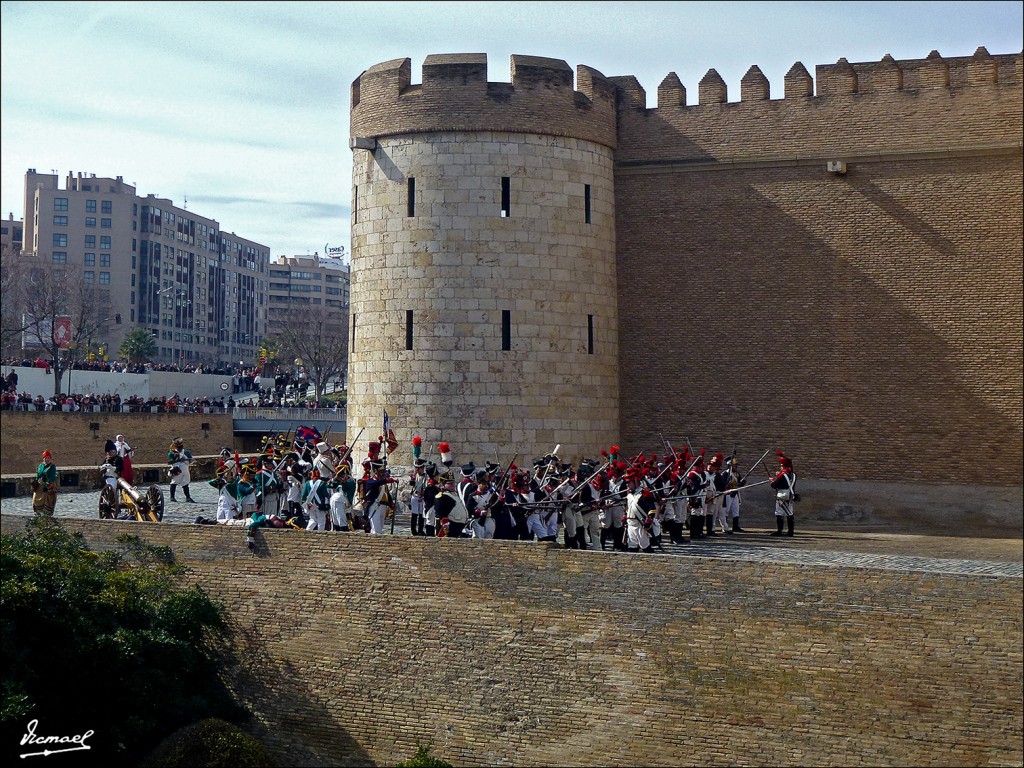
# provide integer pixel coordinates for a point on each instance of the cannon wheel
(155, 497)
(108, 503)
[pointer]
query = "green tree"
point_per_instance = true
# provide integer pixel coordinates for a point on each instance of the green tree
(110, 642)
(138, 345)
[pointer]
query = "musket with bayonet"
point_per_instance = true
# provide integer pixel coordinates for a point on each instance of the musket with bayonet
(498, 490)
(348, 451)
(752, 468)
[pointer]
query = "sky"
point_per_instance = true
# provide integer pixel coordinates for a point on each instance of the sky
(238, 111)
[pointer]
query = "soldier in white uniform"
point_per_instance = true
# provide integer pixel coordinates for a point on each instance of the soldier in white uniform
(640, 506)
(179, 457)
(614, 510)
(452, 514)
(732, 497)
(784, 484)
(418, 483)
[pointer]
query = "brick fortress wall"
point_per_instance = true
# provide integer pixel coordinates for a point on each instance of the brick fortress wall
(72, 443)
(351, 649)
(870, 322)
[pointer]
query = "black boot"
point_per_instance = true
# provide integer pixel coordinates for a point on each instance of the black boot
(669, 527)
(736, 526)
(565, 538)
(581, 539)
(709, 521)
(188, 497)
(789, 522)
(172, 492)
(604, 539)
(778, 523)
(697, 527)
(618, 539)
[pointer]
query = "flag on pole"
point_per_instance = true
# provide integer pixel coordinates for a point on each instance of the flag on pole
(388, 434)
(307, 433)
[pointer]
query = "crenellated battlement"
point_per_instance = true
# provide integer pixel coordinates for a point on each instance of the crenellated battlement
(455, 95)
(843, 78)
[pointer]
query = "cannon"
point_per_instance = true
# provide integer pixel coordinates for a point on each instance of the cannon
(129, 503)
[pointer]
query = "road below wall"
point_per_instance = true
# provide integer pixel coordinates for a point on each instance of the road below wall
(815, 543)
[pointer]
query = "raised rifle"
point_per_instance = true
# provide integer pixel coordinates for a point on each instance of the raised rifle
(547, 468)
(348, 451)
(744, 476)
(501, 481)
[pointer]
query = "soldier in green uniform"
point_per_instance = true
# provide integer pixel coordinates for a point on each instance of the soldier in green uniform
(44, 487)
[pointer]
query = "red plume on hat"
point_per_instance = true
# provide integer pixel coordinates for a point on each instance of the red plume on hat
(446, 453)
(784, 461)
(417, 442)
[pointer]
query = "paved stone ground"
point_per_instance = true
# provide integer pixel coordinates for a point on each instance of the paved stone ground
(818, 543)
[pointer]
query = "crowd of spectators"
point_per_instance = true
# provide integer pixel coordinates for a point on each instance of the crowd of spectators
(246, 374)
(290, 391)
(23, 401)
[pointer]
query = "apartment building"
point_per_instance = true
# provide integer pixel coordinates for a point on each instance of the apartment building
(312, 281)
(11, 234)
(202, 292)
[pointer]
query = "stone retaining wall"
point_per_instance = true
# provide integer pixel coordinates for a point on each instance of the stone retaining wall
(352, 649)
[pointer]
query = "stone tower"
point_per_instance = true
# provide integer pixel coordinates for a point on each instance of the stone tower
(483, 294)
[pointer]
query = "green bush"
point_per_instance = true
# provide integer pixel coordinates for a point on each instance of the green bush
(211, 743)
(111, 642)
(423, 759)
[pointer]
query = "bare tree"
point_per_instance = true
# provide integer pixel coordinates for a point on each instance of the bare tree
(13, 275)
(319, 339)
(61, 312)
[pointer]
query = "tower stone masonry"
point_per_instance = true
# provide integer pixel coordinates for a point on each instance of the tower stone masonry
(836, 272)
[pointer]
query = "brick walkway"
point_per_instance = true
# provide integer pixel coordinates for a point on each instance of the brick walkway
(821, 544)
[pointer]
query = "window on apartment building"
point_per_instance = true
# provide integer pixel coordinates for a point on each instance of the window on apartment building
(105, 223)
(105, 241)
(590, 334)
(90, 221)
(107, 207)
(506, 330)
(90, 259)
(408, 329)
(411, 202)
(90, 241)
(586, 203)
(60, 203)
(90, 206)
(60, 239)
(104, 259)
(60, 221)
(60, 257)
(506, 196)
(88, 277)
(104, 278)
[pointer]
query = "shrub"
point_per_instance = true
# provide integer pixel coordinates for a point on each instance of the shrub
(212, 743)
(423, 759)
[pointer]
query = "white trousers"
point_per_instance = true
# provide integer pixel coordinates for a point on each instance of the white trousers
(638, 537)
(376, 516)
(317, 518)
(484, 530)
(185, 477)
(732, 506)
(339, 508)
